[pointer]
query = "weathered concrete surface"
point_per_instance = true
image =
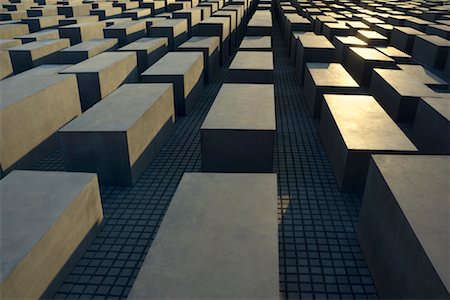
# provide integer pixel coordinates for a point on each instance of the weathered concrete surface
(118, 137)
(404, 226)
(29, 116)
(218, 239)
(45, 218)
(238, 133)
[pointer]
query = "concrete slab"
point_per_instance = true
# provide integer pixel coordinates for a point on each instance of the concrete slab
(137, 13)
(118, 137)
(102, 74)
(361, 62)
(353, 127)
(220, 233)
(39, 23)
(330, 30)
(216, 26)
(210, 46)
(82, 32)
(403, 38)
(312, 48)
(256, 43)
(432, 126)
(251, 67)
(6, 68)
(30, 118)
(405, 239)
(398, 92)
(193, 17)
(431, 50)
(106, 13)
(238, 133)
(39, 36)
(342, 43)
(39, 231)
(85, 50)
(326, 78)
(397, 55)
(176, 30)
(260, 24)
(78, 20)
(27, 56)
(372, 38)
(5, 44)
(148, 51)
(126, 32)
(424, 75)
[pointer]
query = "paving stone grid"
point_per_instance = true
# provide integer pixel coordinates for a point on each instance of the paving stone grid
(319, 254)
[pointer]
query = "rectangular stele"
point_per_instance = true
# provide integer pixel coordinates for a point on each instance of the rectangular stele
(404, 226)
(47, 220)
(218, 239)
(185, 71)
(118, 137)
(238, 134)
(29, 118)
(352, 127)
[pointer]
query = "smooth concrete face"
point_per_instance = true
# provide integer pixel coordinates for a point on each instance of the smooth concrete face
(218, 239)
(27, 56)
(403, 38)
(45, 217)
(432, 126)
(126, 32)
(102, 74)
(398, 92)
(423, 75)
(29, 116)
(238, 133)
(326, 78)
(5, 44)
(404, 226)
(372, 38)
(85, 50)
(256, 43)
(216, 26)
(394, 53)
(10, 31)
(39, 36)
(260, 24)
(361, 62)
(251, 67)
(174, 29)
(148, 51)
(83, 32)
(352, 127)
(119, 136)
(431, 50)
(184, 70)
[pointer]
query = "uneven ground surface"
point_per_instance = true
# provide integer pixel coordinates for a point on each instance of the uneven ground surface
(319, 253)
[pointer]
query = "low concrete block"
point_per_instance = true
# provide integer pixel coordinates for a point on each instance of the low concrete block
(126, 32)
(260, 24)
(30, 117)
(216, 26)
(209, 45)
(251, 67)
(117, 138)
(39, 36)
(176, 30)
(102, 74)
(148, 51)
(85, 50)
(6, 68)
(256, 43)
(82, 32)
(403, 226)
(326, 78)
(403, 38)
(220, 233)
(432, 50)
(238, 134)
(353, 127)
(43, 236)
(185, 71)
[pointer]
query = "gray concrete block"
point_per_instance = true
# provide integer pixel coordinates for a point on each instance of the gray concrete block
(256, 43)
(193, 17)
(218, 239)
(216, 26)
(326, 78)
(398, 92)
(46, 34)
(47, 219)
(117, 138)
(361, 62)
(210, 46)
(431, 130)
(251, 67)
(343, 43)
(39, 23)
(185, 71)
(6, 68)
(372, 38)
(102, 74)
(82, 32)
(260, 24)
(78, 20)
(5, 44)
(148, 51)
(137, 13)
(27, 56)
(403, 38)
(107, 12)
(76, 10)
(330, 30)
(85, 50)
(238, 134)
(312, 48)
(30, 117)
(353, 127)
(425, 76)
(176, 30)
(397, 55)
(432, 50)
(126, 32)
(403, 226)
